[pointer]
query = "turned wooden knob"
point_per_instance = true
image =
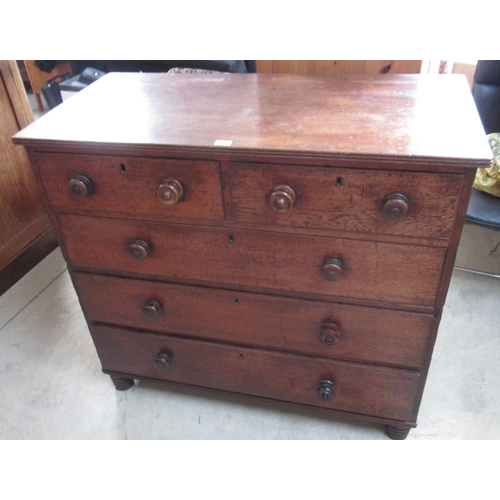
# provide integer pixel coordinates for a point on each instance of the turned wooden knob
(325, 390)
(329, 333)
(80, 186)
(170, 191)
(395, 206)
(162, 361)
(332, 269)
(282, 198)
(139, 250)
(151, 309)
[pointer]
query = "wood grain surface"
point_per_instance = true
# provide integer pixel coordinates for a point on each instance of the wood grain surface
(381, 392)
(366, 334)
(382, 271)
(330, 67)
(310, 247)
(25, 229)
(20, 203)
(346, 199)
(127, 187)
(402, 116)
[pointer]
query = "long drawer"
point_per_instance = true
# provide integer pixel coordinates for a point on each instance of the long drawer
(324, 329)
(129, 187)
(375, 201)
(395, 273)
(363, 389)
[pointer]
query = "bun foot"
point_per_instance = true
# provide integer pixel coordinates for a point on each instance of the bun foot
(122, 383)
(397, 432)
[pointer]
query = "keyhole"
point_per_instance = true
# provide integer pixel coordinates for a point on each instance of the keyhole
(236, 302)
(386, 69)
(122, 168)
(339, 181)
(231, 238)
(241, 356)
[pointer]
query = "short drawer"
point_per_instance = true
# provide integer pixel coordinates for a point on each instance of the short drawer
(363, 389)
(324, 329)
(361, 201)
(128, 187)
(404, 274)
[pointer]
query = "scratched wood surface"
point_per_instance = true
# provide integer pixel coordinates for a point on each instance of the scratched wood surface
(366, 334)
(373, 271)
(381, 115)
(381, 392)
(128, 187)
(345, 199)
(342, 142)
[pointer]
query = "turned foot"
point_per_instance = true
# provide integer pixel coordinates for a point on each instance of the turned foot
(397, 432)
(122, 383)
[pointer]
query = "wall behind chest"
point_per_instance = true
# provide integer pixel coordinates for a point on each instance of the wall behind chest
(334, 67)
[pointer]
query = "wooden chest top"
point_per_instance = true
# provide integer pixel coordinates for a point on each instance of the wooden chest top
(397, 116)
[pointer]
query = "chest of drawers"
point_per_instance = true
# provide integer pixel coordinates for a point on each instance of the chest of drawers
(279, 236)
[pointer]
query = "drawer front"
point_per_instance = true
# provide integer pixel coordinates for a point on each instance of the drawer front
(132, 187)
(388, 272)
(381, 392)
(346, 199)
(318, 328)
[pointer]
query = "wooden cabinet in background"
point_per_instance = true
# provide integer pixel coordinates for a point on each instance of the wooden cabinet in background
(26, 234)
(333, 67)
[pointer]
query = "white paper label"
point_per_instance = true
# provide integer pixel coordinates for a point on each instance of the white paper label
(221, 142)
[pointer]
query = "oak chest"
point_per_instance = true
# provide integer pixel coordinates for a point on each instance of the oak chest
(288, 237)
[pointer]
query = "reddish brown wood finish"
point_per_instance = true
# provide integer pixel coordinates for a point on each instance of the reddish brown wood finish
(380, 271)
(395, 206)
(128, 187)
(346, 199)
(282, 199)
(380, 115)
(291, 259)
(170, 191)
(365, 334)
(382, 392)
